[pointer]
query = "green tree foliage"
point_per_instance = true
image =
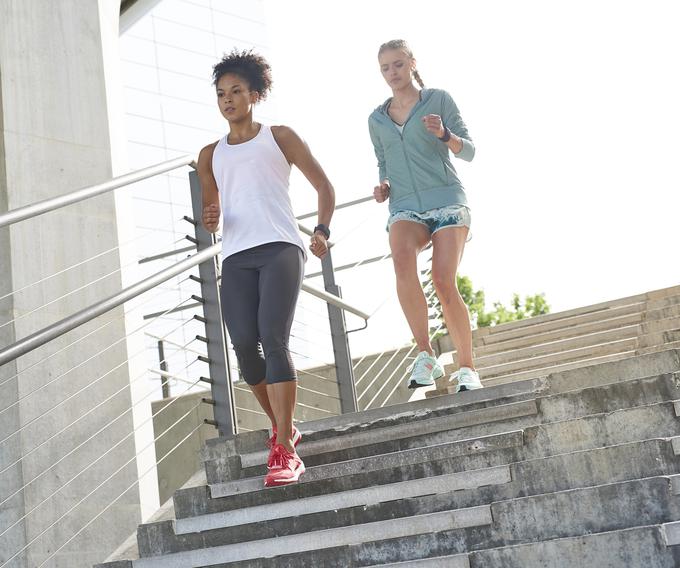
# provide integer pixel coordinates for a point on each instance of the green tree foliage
(475, 300)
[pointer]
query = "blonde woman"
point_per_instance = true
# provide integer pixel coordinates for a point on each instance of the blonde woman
(414, 134)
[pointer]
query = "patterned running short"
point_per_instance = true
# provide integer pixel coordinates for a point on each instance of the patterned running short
(435, 219)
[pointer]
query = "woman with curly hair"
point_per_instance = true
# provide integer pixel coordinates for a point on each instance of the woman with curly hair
(244, 179)
(414, 133)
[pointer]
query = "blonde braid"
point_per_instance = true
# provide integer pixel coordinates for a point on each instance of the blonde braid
(403, 46)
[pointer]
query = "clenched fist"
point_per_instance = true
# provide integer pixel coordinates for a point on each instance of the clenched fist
(211, 217)
(382, 192)
(433, 124)
(318, 245)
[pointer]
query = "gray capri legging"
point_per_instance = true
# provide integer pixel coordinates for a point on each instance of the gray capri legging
(259, 291)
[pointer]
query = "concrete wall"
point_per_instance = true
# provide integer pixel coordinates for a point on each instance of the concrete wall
(55, 138)
(179, 428)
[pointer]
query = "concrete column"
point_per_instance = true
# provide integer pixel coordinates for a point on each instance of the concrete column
(55, 102)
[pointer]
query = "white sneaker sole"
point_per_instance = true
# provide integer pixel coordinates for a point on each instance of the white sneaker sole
(435, 376)
(469, 387)
(279, 482)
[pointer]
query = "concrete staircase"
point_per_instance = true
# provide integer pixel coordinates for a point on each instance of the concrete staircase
(603, 332)
(579, 467)
(514, 351)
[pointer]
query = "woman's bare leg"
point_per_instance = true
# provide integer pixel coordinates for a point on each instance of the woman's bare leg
(283, 396)
(448, 245)
(260, 392)
(407, 239)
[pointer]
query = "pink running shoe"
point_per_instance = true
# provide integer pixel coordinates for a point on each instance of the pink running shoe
(287, 467)
(271, 443)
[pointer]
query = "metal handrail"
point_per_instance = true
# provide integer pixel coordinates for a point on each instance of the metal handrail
(341, 206)
(40, 207)
(71, 322)
(335, 301)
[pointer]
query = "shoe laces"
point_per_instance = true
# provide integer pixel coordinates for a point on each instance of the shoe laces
(281, 457)
(462, 373)
(419, 359)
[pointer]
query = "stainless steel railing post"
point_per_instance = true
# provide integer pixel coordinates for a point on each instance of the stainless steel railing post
(216, 335)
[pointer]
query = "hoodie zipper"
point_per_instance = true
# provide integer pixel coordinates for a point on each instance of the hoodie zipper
(403, 149)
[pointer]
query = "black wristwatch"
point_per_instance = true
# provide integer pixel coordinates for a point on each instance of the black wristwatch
(325, 230)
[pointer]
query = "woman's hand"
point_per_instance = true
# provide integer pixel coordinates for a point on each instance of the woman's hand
(211, 217)
(433, 124)
(382, 192)
(318, 245)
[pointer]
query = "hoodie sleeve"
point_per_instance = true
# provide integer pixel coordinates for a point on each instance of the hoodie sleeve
(453, 121)
(378, 149)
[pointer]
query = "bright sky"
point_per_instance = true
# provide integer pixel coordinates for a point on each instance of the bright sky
(574, 109)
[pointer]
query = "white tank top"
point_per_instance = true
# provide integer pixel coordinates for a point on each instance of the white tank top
(252, 179)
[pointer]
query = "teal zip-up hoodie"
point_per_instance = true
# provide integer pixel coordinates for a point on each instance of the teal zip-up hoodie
(416, 163)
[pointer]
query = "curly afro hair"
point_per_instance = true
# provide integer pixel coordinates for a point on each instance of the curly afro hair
(250, 66)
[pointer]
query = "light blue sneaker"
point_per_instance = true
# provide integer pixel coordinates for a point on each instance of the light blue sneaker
(467, 379)
(424, 370)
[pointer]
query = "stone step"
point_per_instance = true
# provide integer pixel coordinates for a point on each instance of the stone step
(574, 365)
(550, 368)
(573, 513)
(608, 368)
(544, 342)
(358, 444)
(551, 457)
(541, 347)
(387, 531)
(570, 318)
(586, 468)
(331, 446)
(552, 359)
(587, 376)
(341, 438)
(483, 448)
(362, 426)
(639, 547)
(648, 320)
(247, 442)
(395, 391)
(456, 561)
(390, 388)
(381, 462)
(342, 536)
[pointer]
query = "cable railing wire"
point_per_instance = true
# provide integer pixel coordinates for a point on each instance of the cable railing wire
(91, 464)
(33, 210)
(52, 381)
(300, 387)
(25, 547)
(179, 346)
(311, 343)
(47, 334)
(360, 379)
(89, 334)
(92, 436)
(176, 378)
(82, 262)
(316, 362)
(69, 293)
(189, 435)
(110, 397)
(408, 354)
